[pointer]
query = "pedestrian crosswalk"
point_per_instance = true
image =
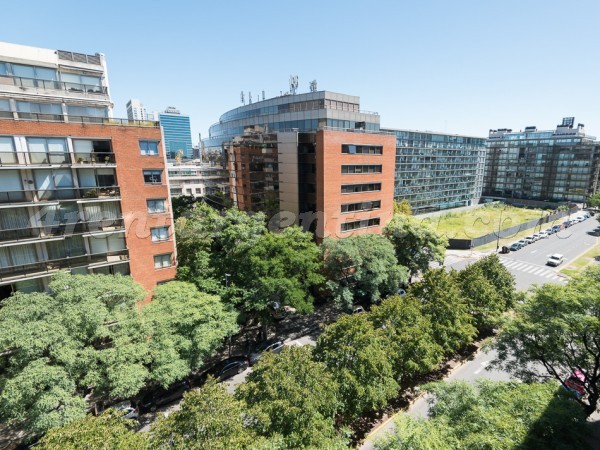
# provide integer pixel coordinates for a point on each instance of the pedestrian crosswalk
(532, 269)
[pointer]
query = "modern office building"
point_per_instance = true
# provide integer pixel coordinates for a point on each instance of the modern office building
(436, 171)
(177, 133)
(335, 183)
(560, 165)
(79, 190)
(137, 111)
(196, 179)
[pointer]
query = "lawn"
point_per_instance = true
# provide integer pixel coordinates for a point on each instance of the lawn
(479, 222)
(589, 257)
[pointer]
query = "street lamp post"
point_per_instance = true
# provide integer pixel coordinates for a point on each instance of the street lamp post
(498, 235)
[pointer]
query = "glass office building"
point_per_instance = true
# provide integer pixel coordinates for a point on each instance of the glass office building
(555, 165)
(436, 171)
(177, 133)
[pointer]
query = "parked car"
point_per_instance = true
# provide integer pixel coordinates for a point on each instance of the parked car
(543, 234)
(555, 260)
(129, 411)
(272, 345)
(516, 246)
(154, 397)
(567, 223)
(529, 239)
(557, 228)
(537, 236)
(549, 231)
(358, 310)
(523, 243)
(227, 368)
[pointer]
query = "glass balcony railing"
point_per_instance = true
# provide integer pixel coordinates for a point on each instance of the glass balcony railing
(67, 262)
(63, 193)
(53, 158)
(53, 85)
(62, 229)
(44, 117)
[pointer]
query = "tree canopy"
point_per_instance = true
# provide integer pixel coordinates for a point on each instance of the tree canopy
(594, 200)
(492, 415)
(445, 306)
(106, 432)
(402, 207)
(555, 333)
(416, 244)
(361, 267)
(356, 355)
(292, 395)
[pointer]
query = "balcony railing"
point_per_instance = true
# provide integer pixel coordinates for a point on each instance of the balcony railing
(66, 193)
(67, 262)
(54, 85)
(38, 117)
(63, 229)
(53, 158)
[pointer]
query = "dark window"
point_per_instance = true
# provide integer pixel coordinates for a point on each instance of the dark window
(153, 176)
(362, 168)
(149, 148)
(365, 223)
(361, 206)
(366, 187)
(362, 149)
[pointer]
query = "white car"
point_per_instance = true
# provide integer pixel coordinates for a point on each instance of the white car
(555, 260)
(543, 234)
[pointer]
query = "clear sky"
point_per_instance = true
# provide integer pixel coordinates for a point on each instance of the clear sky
(453, 66)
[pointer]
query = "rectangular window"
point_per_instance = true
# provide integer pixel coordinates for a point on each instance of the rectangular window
(47, 150)
(359, 224)
(149, 148)
(159, 234)
(153, 176)
(355, 188)
(361, 206)
(156, 205)
(352, 149)
(87, 111)
(362, 168)
(163, 260)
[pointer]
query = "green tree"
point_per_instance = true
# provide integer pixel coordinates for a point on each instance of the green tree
(105, 432)
(294, 396)
(187, 327)
(402, 207)
(210, 418)
(593, 201)
(280, 267)
(555, 332)
(183, 205)
(497, 274)
(484, 301)
(443, 303)
(416, 244)
(356, 355)
(492, 415)
(86, 335)
(361, 267)
(409, 336)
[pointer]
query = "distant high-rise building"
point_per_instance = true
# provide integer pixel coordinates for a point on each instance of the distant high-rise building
(136, 110)
(177, 133)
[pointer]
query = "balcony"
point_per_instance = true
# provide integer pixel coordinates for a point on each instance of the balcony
(11, 159)
(38, 117)
(52, 85)
(63, 229)
(41, 268)
(66, 193)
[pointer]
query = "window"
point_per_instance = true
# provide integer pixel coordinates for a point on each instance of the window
(149, 147)
(87, 111)
(157, 205)
(355, 188)
(366, 223)
(362, 168)
(163, 260)
(362, 149)
(7, 150)
(361, 206)
(34, 110)
(159, 234)
(47, 150)
(153, 176)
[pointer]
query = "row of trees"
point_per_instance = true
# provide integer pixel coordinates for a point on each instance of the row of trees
(89, 339)
(306, 398)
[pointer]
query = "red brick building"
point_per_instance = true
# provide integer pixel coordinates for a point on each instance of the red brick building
(79, 190)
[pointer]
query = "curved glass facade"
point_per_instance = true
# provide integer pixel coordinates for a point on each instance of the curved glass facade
(303, 112)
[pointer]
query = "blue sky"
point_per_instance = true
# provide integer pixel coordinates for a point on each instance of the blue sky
(460, 67)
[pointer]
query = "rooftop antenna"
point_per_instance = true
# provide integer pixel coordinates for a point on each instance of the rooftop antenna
(293, 84)
(313, 86)
(263, 95)
(242, 98)
(249, 97)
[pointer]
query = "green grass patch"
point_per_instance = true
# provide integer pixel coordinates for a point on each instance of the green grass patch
(485, 220)
(576, 266)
